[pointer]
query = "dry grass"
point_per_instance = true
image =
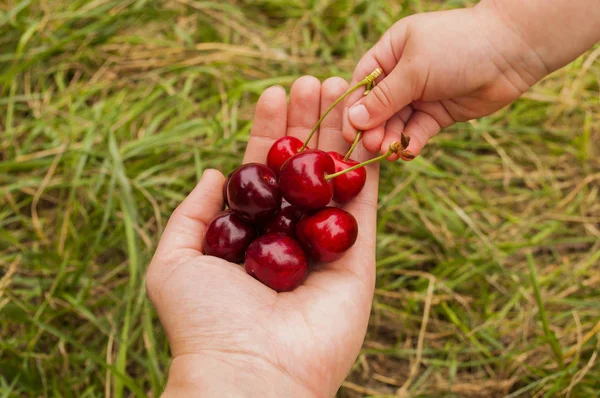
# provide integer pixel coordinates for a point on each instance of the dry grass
(489, 244)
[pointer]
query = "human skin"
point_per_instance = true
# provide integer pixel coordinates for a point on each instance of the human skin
(229, 334)
(232, 336)
(451, 66)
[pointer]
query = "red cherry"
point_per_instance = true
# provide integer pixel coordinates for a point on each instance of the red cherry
(277, 261)
(302, 179)
(253, 192)
(284, 221)
(281, 150)
(348, 185)
(327, 234)
(228, 237)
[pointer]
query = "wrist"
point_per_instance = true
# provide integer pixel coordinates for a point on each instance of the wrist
(512, 52)
(557, 31)
(229, 375)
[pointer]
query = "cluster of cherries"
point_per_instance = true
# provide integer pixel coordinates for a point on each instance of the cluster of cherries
(279, 215)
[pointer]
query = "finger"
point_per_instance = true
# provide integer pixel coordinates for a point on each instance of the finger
(393, 133)
(385, 55)
(304, 109)
(372, 138)
(184, 232)
(426, 122)
(405, 113)
(330, 131)
(270, 121)
(394, 92)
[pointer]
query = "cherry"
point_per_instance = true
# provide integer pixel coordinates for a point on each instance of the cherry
(281, 150)
(284, 220)
(277, 261)
(303, 182)
(253, 192)
(347, 186)
(327, 234)
(228, 237)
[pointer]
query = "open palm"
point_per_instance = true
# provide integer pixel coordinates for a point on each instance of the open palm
(223, 322)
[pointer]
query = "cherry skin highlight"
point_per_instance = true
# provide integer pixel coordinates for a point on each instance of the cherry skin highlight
(253, 192)
(277, 261)
(348, 185)
(281, 150)
(327, 234)
(302, 179)
(284, 221)
(228, 237)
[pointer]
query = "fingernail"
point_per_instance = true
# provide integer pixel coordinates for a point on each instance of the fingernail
(359, 115)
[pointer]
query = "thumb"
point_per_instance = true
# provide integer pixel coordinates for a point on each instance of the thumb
(387, 98)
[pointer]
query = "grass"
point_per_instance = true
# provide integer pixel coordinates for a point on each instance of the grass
(488, 246)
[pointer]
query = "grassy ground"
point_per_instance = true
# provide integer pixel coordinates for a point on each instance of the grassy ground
(489, 244)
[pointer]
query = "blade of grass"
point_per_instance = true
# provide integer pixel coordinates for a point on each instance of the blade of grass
(549, 335)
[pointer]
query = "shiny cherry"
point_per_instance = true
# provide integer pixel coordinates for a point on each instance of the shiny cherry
(327, 234)
(277, 261)
(303, 182)
(228, 237)
(284, 221)
(253, 192)
(281, 150)
(347, 186)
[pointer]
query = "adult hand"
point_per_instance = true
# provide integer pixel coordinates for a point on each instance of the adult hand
(229, 334)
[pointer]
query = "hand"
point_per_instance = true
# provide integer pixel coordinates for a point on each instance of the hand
(229, 334)
(440, 68)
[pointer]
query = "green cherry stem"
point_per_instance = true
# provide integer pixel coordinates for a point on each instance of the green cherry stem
(367, 81)
(368, 89)
(395, 147)
(354, 144)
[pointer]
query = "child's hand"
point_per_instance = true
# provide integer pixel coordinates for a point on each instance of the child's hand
(229, 334)
(451, 66)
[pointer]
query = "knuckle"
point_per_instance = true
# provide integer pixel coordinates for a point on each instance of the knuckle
(383, 95)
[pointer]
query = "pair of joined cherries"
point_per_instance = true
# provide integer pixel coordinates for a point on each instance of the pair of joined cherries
(280, 215)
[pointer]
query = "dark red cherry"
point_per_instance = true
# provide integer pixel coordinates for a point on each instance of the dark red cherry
(327, 234)
(302, 179)
(277, 261)
(253, 192)
(281, 150)
(284, 221)
(348, 185)
(228, 237)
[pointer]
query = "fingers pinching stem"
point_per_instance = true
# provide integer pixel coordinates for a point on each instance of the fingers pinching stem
(368, 81)
(358, 136)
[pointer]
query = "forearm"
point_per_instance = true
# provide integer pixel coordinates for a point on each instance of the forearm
(558, 31)
(209, 377)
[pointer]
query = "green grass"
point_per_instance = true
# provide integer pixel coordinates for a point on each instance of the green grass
(109, 112)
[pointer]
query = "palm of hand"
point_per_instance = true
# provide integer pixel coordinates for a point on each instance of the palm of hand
(212, 308)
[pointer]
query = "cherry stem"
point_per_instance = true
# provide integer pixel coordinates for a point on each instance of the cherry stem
(367, 81)
(368, 89)
(354, 144)
(396, 147)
